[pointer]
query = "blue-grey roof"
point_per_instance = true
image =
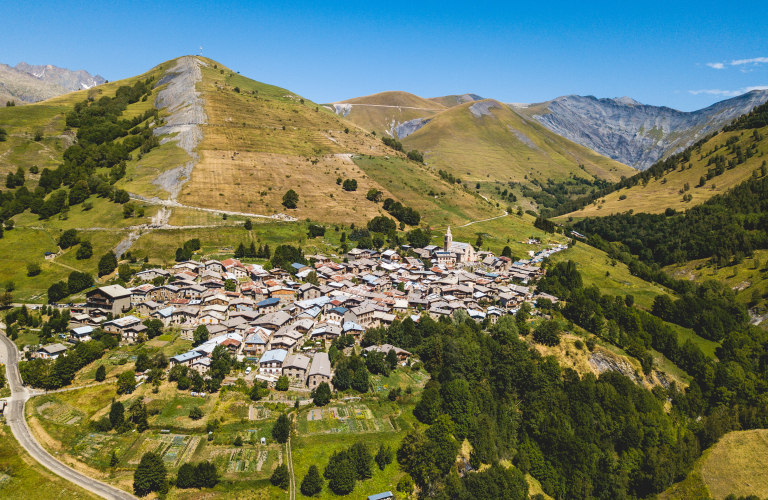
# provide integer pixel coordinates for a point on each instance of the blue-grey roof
(296, 265)
(351, 325)
(339, 310)
(381, 496)
(167, 311)
(274, 355)
(181, 358)
(268, 302)
(82, 330)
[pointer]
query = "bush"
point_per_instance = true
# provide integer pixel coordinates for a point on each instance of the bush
(150, 475)
(322, 394)
(290, 199)
(312, 484)
(196, 413)
(374, 195)
(33, 269)
(547, 333)
(107, 264)
(85, 251)
(282, 429)
(316, 230)
(349, 185)
(68, 238)
(415, 156)
(283, 383)
(392, 143)
(101, 373)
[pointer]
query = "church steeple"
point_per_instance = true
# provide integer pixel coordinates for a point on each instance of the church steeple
(448, 240)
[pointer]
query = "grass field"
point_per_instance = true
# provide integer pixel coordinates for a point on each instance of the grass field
(743, 278)
(735, 465)
(418, 187)
(506, 231)
(663, 193)
(597, 268)
(316, 450)
(21, 476)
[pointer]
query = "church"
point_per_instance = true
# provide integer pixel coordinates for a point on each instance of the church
(462, 252)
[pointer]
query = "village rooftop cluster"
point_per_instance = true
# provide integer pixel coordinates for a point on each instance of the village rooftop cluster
(278, 321)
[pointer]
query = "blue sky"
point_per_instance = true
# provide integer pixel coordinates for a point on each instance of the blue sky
(685, 55)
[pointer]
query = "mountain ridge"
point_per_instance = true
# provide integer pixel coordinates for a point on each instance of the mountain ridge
(636, 134)
(26, 83)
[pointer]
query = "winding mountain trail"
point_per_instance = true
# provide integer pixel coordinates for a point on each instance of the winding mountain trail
(14, 415)
(475, 221)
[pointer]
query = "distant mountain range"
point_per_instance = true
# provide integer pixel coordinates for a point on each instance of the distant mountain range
(26, 83)
(621, 128)
(635, 134)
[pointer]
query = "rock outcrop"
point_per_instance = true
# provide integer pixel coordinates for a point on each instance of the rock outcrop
(637, 134)
(183, 102)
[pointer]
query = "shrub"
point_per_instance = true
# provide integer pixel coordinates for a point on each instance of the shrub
(196, 413)
(290, 199)
(33, 269)
(415, 156)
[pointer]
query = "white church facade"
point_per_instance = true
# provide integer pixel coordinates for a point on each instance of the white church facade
(460, 252)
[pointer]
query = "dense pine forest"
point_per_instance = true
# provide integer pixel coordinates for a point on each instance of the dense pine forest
(581, 437)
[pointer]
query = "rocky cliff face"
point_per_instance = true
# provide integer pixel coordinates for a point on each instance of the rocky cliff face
(27, 83)
(638, 134)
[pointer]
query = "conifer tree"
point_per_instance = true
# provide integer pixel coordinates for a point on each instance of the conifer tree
(280, 477)
(312, 484)
(150, 475)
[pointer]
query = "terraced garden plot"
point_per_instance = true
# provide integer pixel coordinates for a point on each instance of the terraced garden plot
(356, 418)
(251, 460)
(399, 378)
(259, 413)
(123, 355)
(60, 413)
(247, 460)
(151, 444)
(91, 445)
(174, 451)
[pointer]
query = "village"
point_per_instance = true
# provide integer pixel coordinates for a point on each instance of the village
(280, 323)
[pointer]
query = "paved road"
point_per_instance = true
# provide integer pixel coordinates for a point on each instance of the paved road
(15, 417)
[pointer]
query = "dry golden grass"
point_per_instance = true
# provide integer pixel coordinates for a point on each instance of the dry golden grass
(737, 464)
(253, 120)
(256, 183)
(396, 98)
(505, 146)
(664, 193)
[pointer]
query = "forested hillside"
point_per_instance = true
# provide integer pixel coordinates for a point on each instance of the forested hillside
(580, 437)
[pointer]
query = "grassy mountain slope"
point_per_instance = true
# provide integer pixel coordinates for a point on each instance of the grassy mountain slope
(748, 279)
(450, 101)
(396, 99)
(662, 193)
(262, 141)
(500, 145)
(21, 123)
(735, 465)
(383, 111)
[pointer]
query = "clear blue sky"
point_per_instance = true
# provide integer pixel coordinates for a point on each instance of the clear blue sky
(685, 55)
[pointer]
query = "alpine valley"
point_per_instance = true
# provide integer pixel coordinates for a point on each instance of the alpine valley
(213, 287)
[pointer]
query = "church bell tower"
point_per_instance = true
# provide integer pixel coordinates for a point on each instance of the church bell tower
(448, 240)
